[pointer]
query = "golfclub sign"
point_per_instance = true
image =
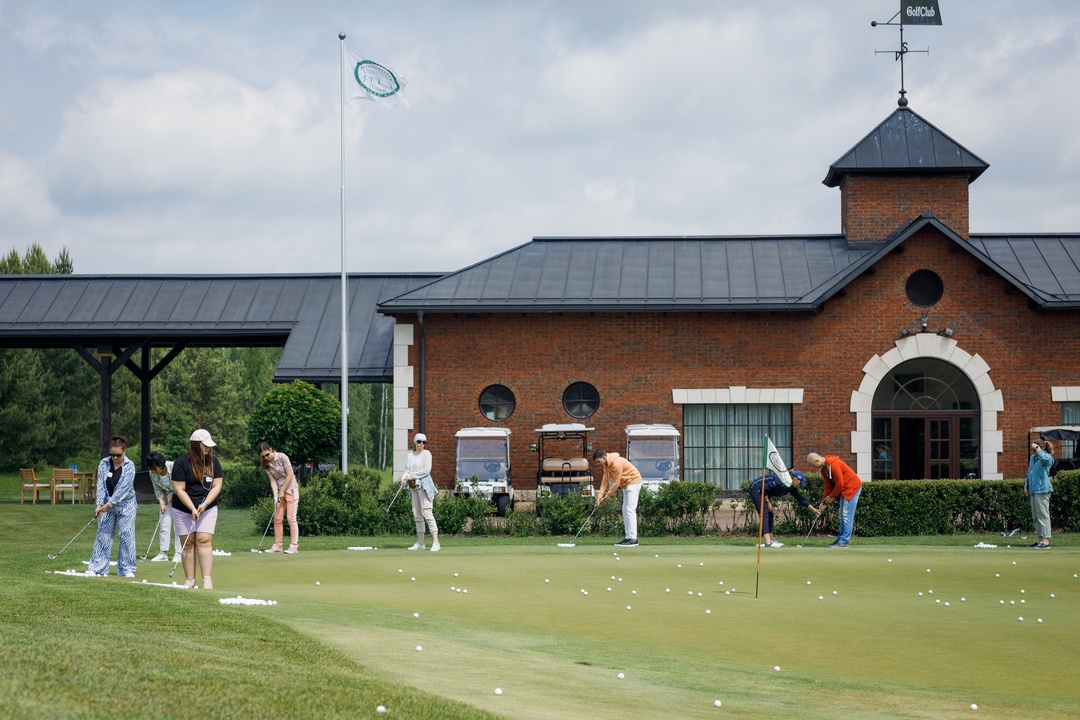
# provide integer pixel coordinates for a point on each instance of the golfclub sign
(914, 12)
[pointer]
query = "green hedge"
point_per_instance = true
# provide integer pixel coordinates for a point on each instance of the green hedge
(929, 507)
(330, 506)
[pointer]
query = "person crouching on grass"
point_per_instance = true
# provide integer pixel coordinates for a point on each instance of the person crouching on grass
(775, 488)
(620, 473)
(196, 486)
(286, 493)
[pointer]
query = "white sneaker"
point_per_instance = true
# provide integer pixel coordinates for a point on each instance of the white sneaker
(176, 558)
(435, 546)
(417, 546)
(207, 584)
(189, 583)
(775, 544)
(160, 557)
(292, 550)
(91, 573)
(128, 575)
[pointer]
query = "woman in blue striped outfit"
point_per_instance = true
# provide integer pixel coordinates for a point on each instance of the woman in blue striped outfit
(115, 511)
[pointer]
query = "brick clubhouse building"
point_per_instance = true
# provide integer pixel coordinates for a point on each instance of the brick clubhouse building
(905, 344)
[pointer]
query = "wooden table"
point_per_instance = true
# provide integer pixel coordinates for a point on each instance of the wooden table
(89, 486)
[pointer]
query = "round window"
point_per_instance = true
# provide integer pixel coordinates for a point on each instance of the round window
(581, 400)
(924, 288)
(497, 402)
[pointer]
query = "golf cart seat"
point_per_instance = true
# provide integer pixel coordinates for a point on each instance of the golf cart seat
(573, 466)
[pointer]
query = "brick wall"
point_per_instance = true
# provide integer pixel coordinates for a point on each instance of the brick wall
(873, 207)
(635, 359)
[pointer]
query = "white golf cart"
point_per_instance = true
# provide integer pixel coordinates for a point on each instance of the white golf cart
(564, 464)
(483, 466)
(654, 451)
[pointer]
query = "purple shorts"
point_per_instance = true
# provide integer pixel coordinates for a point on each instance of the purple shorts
(205, 524)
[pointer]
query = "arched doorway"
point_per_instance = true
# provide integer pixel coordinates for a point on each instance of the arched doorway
(925, 422)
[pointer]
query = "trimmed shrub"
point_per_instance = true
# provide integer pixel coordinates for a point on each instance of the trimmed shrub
(243, 485)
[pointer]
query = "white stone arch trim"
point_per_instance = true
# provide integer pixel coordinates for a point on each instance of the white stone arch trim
(403, 381)
(941, 348)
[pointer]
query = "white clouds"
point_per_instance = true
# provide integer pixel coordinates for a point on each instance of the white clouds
(182, 133)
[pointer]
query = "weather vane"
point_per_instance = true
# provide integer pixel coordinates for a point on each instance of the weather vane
(912, 12)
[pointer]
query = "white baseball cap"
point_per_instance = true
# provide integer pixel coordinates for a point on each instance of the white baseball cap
(419, 437)
(202, 436)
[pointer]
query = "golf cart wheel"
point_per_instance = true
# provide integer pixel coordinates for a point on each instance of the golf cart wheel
(501, 504)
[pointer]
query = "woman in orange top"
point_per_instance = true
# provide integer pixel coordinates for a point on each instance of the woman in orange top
(843, 484)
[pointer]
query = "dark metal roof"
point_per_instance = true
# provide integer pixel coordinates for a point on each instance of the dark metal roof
(905, 143)
(721, 273)
(642, 274)
(300, 312)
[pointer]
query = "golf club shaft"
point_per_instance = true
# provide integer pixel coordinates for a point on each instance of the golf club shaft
(158, 527)
(73, 539)
(812, 526)
(400, 487)
(586, 522)
(267, 527)
(184, 547)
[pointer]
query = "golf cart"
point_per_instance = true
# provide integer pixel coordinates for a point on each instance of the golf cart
(1066, 438)
(483, 466)
(563, 451)
(654, 451)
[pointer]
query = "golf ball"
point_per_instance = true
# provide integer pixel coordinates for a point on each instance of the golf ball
(974, 706)
(890, 559)
(717, 703)
(498, 691)
(946, 604)
(667, 590)
(920, 594)
(727, 592)
(380, 709)
(1051, 594)
(807, 582)
(833, 592)
(927, 569)
(720, 583)
(455, 574)
(701, 564)
(776, 667)
(547, 580)
(419, 648)
(316, 582)
(633, 592)
(609, 589)
(413, 579)
(627, 607)
(820, 597)
(680, 565)
(938, 602)
(930, 591)
(416, 615)
(963, 599)
(699, 594)
(400, 570)
(709, 612)
(620, 676)
(999, 575)
(1021, 592)
(1039, 620)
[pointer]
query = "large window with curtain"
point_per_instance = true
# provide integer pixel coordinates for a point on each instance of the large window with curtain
(724, 444)
(1070, 415)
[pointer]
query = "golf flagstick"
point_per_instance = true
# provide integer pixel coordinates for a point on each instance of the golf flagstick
(156, 528)
(761, 526)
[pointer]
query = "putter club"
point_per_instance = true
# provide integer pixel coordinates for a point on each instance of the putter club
(259, 549)
(184, 547)
(812, 526)
(53, 557)
(573, 542)
(395, 498)
(158, 527)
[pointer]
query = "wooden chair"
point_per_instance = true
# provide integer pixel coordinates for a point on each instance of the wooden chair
(63, 480)
(31, 483)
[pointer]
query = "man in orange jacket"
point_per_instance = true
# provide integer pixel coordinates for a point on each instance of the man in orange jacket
(843, 484)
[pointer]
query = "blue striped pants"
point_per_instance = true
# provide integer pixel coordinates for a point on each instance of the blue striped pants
(120, 518)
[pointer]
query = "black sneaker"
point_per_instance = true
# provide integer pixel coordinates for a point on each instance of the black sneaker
(1042, 546)
(631, 542)
(621, 543)
(1034, 544)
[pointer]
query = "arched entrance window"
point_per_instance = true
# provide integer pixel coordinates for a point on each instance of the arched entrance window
(925, 422)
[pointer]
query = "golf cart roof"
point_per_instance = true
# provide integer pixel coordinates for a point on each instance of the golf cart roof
(483, 432)
(647, 430)
(556, 428)
(1057, 432)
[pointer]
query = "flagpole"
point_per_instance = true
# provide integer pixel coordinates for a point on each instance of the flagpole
(344, 289)
(761, 513)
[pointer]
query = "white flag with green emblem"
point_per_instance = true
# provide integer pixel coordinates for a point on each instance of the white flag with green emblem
(368, 80)
(774, 462)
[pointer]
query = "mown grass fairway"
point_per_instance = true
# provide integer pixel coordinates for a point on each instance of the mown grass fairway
(875, 649)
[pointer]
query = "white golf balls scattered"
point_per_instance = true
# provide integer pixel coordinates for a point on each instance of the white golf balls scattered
(620, 676)
(498, 691)
(419, 648)
(717, 703)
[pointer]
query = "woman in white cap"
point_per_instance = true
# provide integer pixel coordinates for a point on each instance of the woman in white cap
(196, 486)
(418, 477)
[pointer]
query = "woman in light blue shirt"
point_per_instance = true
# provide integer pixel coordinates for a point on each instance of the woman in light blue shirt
(1037, 488)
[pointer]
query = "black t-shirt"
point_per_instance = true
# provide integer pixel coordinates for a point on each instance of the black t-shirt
(197, 488)
(114, 477)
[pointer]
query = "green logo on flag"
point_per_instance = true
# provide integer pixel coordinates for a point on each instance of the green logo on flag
(376, 79)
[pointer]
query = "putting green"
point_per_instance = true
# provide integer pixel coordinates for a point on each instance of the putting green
(871, 646)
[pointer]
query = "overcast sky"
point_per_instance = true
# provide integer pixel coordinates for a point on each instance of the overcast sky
(204, 136)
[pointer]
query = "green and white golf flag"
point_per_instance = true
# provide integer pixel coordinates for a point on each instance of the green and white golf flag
(368, 80)
(775, 463)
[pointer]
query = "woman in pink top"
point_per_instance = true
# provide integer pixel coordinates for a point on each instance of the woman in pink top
(286, 492)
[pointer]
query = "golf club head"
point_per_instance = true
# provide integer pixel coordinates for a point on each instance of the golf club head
(53, 557)
(255, 550)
